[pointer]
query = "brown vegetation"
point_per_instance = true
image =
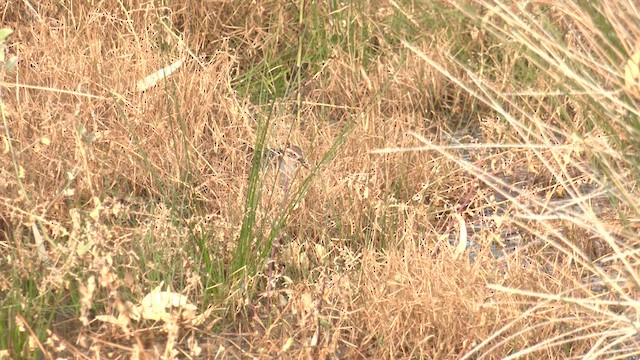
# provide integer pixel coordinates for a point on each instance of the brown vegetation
(420, 122)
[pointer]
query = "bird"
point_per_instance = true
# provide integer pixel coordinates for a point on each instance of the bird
(283, 163)
(286, 161)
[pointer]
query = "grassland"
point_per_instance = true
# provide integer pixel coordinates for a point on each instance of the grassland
(471, 190)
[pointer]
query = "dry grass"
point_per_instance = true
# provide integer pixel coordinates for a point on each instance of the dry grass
(417, 119)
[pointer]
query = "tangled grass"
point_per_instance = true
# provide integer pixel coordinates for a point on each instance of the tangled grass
(471, 190)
